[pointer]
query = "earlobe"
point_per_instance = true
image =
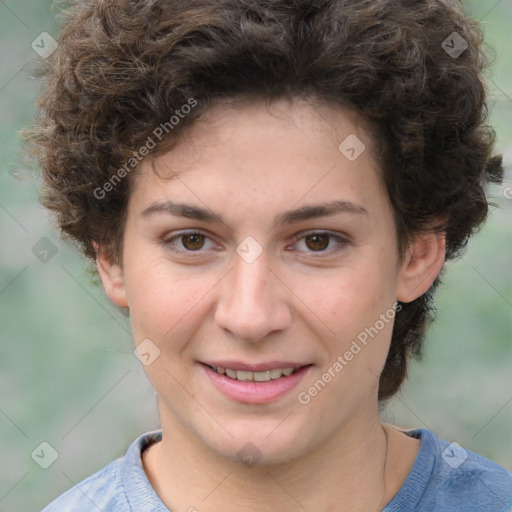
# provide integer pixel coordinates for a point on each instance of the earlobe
(422, 264)
(112, 277)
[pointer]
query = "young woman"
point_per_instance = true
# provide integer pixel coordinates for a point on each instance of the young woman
(271, 188)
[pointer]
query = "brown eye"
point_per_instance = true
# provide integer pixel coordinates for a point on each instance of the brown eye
(192, 241)
(189, 243)
(318, 242)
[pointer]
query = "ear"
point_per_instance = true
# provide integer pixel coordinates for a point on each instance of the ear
(112, 276)
(423, 261)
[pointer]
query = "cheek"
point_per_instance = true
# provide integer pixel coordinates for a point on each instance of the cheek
(161, 300)
(352, 304)
(354, 295)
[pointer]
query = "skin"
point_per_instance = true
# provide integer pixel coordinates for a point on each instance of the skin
(298, 300)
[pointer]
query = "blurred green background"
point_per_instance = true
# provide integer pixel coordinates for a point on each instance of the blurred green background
(67, 373)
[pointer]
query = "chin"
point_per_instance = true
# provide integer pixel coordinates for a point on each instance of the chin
(254, 446)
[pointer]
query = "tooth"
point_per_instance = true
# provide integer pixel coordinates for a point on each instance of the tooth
(262, 376)
(276, 374)
(231, 373)
(243, 375)
(265, 376)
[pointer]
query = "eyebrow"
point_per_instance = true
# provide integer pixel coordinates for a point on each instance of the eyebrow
(289, 217)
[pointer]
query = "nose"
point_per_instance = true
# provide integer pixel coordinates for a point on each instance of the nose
(252, 302)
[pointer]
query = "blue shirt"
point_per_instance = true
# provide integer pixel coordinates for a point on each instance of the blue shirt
(444, 478)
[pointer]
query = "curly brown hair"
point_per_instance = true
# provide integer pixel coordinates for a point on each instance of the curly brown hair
(412, 69)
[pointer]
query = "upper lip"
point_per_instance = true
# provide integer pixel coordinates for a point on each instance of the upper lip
(254, 367)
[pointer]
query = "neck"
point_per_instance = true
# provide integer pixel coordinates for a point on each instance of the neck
(349, 472)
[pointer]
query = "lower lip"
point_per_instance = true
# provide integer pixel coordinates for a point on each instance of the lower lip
(251, 392)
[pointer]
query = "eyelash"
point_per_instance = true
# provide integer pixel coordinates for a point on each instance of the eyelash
(342, 242)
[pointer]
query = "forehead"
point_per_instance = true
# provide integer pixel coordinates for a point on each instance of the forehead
(306, 126)
(284, 152)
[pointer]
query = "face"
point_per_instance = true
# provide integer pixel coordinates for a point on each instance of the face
(262, 245)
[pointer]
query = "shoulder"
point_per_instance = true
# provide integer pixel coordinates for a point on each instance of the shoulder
(121, 486)
(100, 491)
(457, 479)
